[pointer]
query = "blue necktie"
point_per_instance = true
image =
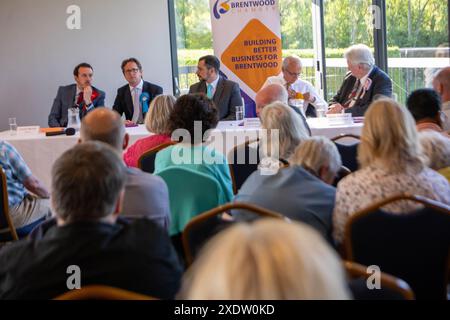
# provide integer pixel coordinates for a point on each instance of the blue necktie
(209, 91)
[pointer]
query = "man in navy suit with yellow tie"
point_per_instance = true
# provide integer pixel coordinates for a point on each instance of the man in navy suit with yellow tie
(225, 93)
(134, 98)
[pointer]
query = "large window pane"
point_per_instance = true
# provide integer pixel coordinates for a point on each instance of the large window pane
(417, 36)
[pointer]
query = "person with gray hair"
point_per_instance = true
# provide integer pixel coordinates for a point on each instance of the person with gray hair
(436, 147)
(302, 191)
(441, 84)
(297, 88)
(362, 84)
(89, 245)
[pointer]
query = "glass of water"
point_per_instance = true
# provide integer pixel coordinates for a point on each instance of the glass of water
(12, 126)
(239, 113)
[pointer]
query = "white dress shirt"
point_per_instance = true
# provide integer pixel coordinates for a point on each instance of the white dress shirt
(135, 94)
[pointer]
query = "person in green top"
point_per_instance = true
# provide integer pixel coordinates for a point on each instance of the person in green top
(193, 115)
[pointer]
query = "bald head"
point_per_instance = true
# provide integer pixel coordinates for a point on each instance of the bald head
(441, 83)
(105, 125)
(269, 94)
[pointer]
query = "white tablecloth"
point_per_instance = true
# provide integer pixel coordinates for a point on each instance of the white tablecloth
(40, 152)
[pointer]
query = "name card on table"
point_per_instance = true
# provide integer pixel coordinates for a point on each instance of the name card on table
(339, 119)
(28, 130)
(252, 123)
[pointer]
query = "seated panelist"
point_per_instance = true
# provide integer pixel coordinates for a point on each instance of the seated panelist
(134, 98)
(81, 95)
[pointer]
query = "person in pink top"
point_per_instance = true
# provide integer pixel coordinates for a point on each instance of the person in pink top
(156, 122)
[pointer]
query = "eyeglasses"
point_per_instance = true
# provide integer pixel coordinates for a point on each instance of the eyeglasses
(293, 74)
(132, 70)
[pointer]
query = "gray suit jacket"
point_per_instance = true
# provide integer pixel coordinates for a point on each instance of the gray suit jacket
(226, 97)
(293, 192)
(64, 100)
(147, 196)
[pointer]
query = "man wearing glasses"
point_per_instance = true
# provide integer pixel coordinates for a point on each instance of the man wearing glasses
(134, 98)
(297, 88)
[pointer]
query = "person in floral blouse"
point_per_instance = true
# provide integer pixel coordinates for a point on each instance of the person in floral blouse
(391, 162)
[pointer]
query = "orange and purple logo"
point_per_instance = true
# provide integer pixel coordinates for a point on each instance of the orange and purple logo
(224, 7)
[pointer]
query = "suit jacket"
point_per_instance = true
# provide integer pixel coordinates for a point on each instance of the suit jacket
(293, 192)
(64, 100)
(381, 85)
(124, 102)
(137, 256)
(226, 97)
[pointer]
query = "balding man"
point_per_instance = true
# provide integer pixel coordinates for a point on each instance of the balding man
(362, 84)
(290, 79)
(441, 83)
(275, 92)
(145, 194)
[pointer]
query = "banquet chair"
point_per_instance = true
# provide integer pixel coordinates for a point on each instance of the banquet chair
(101, 292)
(243, 161)
(391, 288)
(204, 226)
(146, 161)
(413, 246)
(348, 152)
(342, 173)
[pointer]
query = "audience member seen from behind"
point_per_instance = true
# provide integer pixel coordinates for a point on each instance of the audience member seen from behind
(437, 149)
(441, 83)
(285, 130)
(193, 116)
(157, 123)
(425, 107)
(266, 260)
(391, 162)
(27, 197)
(303, 190)
(87, 195)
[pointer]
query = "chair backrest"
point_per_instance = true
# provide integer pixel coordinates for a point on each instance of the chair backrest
(413, 246)
(391, 288)
(348, 152)
(146, 161)
(5, 218)
(204, 226)
(243, 161)
(190, 193)
(101, 292)
(343, 172)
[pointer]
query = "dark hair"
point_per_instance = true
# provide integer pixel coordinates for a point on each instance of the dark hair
(87, 181)
(81, 65)
(190, 108)
(124, 63)
(424, 103)
(211, 62)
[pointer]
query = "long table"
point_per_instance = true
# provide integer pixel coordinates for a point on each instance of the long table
(40, 152)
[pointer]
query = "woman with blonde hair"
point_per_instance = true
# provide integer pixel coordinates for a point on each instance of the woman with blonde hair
(437, 149)
(391, 162)
(266, 260)
(156, 122)
(291, 130)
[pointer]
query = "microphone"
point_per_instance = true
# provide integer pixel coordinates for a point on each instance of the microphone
(143, 99)
(66, 131)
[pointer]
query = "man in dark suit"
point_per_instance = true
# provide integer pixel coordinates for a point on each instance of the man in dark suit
(81, 95)
(225, 93)
(134, 98)
(88, 245)
(362, 84)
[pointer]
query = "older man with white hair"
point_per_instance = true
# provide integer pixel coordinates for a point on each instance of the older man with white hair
(290, 79)
(362, 84)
